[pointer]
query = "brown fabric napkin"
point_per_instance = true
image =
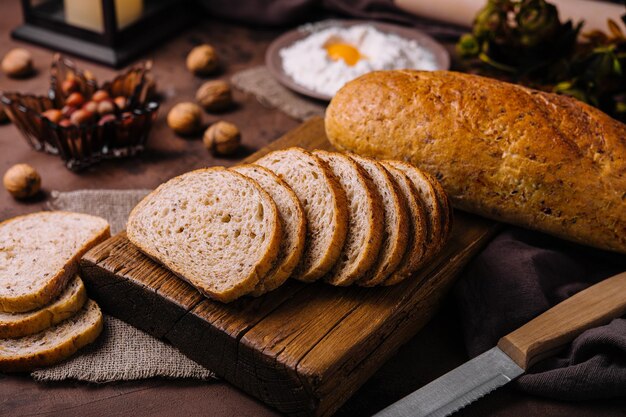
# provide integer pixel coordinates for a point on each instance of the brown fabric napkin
(521, 274)
(122, 352)
(269, 92)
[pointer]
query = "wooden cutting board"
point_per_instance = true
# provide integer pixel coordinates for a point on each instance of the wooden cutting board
(304, 348)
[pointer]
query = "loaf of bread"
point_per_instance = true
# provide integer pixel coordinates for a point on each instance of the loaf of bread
(215, 228)
(538, 160)
(54, 344)
(71, 300)
(40, 253)
(297, 214)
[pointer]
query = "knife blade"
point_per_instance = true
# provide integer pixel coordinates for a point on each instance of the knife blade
(516, 352)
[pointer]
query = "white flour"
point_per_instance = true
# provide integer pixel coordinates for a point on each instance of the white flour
(308, 64)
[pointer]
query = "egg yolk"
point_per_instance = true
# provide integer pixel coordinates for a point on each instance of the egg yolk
(344, 51)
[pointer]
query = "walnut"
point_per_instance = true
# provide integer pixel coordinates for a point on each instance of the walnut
(185, 118)
(202, 60)
(22, 181)
(215, 95)
(222, 138)
(17, 63)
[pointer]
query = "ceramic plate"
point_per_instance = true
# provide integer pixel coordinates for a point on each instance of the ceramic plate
(274, 63)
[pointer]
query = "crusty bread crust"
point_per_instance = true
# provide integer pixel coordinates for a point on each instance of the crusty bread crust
(57, 353)
(245, 284)
(417, 251)
(69, 302)
(339, 219)
(431, 204)
(397, 225)
(289, 256)
(370, 212)
(538, 160)
(56, 283)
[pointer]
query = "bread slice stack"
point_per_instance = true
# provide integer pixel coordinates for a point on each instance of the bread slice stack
(340, 218)
(45, 315)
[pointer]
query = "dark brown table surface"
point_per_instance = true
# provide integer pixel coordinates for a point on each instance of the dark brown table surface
(435, 350)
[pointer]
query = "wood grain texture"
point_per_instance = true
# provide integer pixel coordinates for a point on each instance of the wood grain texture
(304, 348)
(551, 331)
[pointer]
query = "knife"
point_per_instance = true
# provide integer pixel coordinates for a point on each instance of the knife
(516, 352)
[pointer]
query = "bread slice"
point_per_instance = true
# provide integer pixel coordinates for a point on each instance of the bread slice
(292, 221)
(39, 254)
(446, 212)
(214, 228)
(53, 344)
(365, 221)
(396, 222)
(325, 207)
(430, 202)
(71, 300)
(415, 255)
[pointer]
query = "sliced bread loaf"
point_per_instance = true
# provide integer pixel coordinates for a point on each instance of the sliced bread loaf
(39, 254)
(53, 344)
(365, 222)
(292, 221)
(396, 223)
(70, 301)
(214, 228)
(415, 255)
(430, 202)
(324, 203)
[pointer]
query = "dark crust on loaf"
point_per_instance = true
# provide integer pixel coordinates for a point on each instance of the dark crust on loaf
(513, 154)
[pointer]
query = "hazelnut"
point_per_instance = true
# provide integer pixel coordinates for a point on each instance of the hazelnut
(81, 116)
(65, 123)
(222, 138)
(106, 107)
(185, 118)
(202, 60)
(54, 115)
(22, 181)
(69, 86)
(120, 102)
(91, 106)
(75, 100)
(17, 63)
(100, 95)
(68, 110)
(215, 95)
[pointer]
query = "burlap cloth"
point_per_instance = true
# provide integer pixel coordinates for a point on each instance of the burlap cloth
(122, 352)
(270, 93)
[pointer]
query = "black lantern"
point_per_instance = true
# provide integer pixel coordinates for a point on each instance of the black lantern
(107, 31)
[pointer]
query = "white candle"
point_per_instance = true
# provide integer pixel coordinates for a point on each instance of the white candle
(462, 12)
(87, 14)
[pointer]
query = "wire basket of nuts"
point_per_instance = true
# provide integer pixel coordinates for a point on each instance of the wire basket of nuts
(84, 122)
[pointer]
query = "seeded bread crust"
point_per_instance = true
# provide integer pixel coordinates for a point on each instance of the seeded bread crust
(415, 255)
(54, 344)
(325, 206)
(42, 289)
(543, 161)
(365, 223)
(396, 222)
(293, 225)
(200, 252)
(71, 300)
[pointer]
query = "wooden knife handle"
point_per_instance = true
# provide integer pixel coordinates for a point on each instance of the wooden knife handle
(546, 334)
